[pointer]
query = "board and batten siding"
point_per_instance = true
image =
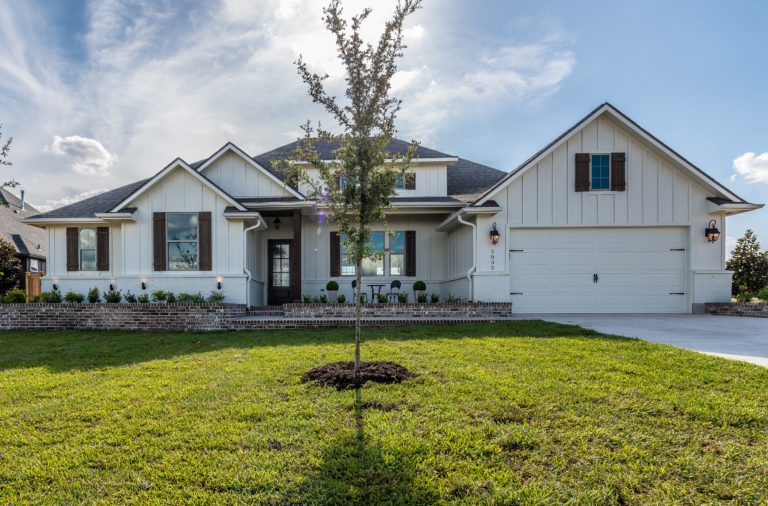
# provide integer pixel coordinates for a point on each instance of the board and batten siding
(431, 181)
(240, 178)
(657, 192)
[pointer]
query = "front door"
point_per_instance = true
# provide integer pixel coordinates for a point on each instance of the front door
(280, 253)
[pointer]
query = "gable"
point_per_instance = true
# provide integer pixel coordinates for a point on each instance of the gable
(242, 178)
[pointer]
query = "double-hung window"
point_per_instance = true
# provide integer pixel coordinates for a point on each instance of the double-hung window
(370, 267)
(397, 254)
(182, 241)
(400, 182)
(601, 172)
(87, 244)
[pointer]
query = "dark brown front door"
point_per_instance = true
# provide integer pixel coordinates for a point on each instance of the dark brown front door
(280, 253)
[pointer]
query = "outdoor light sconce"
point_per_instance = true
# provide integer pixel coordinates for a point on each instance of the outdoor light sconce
(713, 234)
(495, 235)
(143, 285)
(55, 286)
(111, 288)
(277, 223)
(218, 285)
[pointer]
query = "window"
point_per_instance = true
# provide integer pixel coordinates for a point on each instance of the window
(400, 182)
(342, 181)
(181, 230)
(34, 265)
(370, 267)
(87, 249)
(601, 179)
(397, 254)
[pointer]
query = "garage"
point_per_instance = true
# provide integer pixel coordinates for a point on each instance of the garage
(598, 270)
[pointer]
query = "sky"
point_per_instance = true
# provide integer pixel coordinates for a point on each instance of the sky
(98, 94)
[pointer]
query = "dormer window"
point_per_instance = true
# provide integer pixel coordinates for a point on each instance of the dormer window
(601, 172)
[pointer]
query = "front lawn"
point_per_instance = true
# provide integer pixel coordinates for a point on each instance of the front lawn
(504, 413)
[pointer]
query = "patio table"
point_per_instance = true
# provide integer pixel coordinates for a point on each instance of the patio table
(372, 287)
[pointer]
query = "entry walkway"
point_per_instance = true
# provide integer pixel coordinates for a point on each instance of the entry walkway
(724, 336)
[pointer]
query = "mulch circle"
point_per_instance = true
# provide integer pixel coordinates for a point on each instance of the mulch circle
(342, 374)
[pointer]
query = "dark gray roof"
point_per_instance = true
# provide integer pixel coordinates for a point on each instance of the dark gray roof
(405, 200)
(28, 240)
(98, 204)
(468, 180)
(266, 199)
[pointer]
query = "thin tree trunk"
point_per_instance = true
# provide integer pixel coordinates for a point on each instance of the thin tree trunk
(358, 309)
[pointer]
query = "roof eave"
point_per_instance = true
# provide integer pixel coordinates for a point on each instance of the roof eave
(732, 208)
(451, 221)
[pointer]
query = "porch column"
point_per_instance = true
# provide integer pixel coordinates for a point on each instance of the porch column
(296, 259)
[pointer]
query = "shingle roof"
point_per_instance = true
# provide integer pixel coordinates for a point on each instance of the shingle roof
(468, 180)
(98, 204)
(27, 240)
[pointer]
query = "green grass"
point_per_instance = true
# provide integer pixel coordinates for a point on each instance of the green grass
(505, 413)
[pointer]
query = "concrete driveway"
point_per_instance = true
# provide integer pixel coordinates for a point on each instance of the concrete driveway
(725, 336)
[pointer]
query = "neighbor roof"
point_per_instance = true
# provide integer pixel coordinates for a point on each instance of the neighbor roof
(27, 240)
(100, 203)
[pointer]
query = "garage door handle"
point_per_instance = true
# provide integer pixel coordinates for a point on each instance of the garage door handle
(515, 293)
(594, 278)
(676, 293)
(681, 249)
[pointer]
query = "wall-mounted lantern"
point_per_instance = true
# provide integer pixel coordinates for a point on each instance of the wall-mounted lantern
(277, 223)
(143, 285)
(495, 235)
(55, 286)
(111, 287)
(713, 234)
(218, 285)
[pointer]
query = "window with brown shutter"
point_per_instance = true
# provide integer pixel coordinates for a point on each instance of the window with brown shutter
(102, 248)
(73, 262)
(335, 254)
(206, 248)
(410, 253)
(410, 181)
(618, 172)
(158, 239)
(582, 172)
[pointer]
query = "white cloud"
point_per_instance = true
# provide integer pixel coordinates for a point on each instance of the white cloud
(90, 157)
(753, 168)
(403, 78)
(730, 243)
(53, 204)
(415, 32)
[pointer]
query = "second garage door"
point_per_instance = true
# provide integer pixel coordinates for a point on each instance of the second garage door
(598, 270)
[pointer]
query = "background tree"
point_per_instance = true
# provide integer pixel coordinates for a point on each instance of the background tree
(355, 188)
(3, 160)
(749, 265)
(10, 267)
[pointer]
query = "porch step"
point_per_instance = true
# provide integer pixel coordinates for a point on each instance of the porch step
(266, 312)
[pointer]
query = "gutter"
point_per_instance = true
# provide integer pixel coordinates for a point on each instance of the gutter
(261, 225)
(474, 254)
(447, 224)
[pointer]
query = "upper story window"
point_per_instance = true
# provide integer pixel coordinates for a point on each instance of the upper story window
(87, 247)
(601, 172)
(182, 241)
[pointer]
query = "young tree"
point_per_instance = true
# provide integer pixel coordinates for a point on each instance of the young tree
(749, 265)
(354, 189)
(10, 267)
(3, 155)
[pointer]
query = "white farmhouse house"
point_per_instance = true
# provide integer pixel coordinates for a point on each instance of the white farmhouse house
(606, 218)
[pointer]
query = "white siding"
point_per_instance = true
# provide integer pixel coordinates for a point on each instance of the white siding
(240, 178)
(431, 181)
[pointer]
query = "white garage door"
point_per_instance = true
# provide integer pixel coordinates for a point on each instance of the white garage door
(597, 270)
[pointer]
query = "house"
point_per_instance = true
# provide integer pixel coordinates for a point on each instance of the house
(606, 218)
(29, 241)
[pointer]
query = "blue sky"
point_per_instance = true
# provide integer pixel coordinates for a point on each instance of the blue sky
(100, 94)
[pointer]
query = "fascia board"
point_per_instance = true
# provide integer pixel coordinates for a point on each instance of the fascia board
(448, 223)
(732, 208)
(62, 221)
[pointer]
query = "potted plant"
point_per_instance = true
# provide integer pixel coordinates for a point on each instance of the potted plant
(419, 288)
(333, 288)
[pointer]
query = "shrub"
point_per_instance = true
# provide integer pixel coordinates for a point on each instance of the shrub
(143, 299)
(159, 296)
(113, 296)
(315, 299)
(363, 298)
(419, 285)
(744, 297)
(332, 285)
(170, 297)
(382, 298)
(11, 272)
(15, 296)
(74, 298)
(763, 294)
(306, 298)
(93, 295)
(434, 298)
(52, 297)
(422, 298)
(194, 298)
(402, 297)
(216, 296)
(130, 298)
(324, 299)
(452, 299)
(341, 299)
(35, 299)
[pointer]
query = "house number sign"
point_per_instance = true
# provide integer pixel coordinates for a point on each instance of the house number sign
(492, 260)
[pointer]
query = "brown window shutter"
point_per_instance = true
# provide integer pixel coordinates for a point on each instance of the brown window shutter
(618, 172)
(73, 263)
(102, 248)
(205, 260)
(410, 253)
(335, 254)
(582, 172)
(158, 236)
(410, 181)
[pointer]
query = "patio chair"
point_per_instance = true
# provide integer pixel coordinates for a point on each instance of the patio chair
(392, 295)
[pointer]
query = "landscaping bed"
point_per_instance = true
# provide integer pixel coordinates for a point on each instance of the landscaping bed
(342, 374)
(507, 413)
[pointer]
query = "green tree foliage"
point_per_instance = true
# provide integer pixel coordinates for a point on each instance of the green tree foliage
(369, 173)
(749, 265)
(11, 272)
(6, 148)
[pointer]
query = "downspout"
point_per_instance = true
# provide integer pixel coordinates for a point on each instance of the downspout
(245, 262)
(474, 254)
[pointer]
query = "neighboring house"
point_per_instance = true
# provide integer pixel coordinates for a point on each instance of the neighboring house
(604, 219)
(28, 240)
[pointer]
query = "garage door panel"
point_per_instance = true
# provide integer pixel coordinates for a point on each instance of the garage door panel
(527, 258)
(543, 303)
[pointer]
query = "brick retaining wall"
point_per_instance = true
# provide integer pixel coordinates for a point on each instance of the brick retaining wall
(755, 309)
(119, 316)
(372, 311)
